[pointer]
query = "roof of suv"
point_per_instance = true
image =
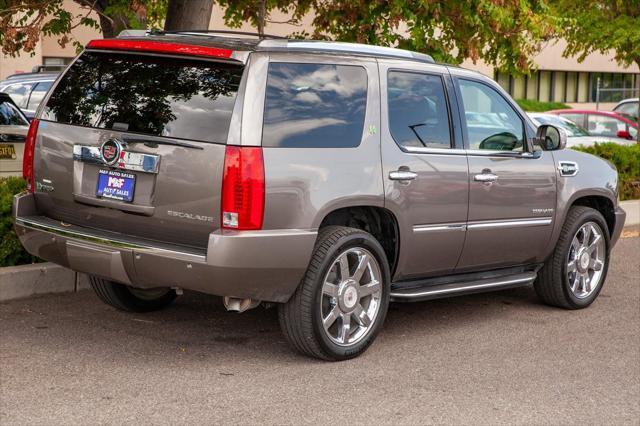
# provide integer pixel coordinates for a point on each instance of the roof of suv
(28, 78)
(235, 41)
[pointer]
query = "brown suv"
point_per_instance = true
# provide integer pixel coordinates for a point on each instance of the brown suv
(328, 178)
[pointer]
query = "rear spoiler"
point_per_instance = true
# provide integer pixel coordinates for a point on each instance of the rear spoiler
(140, 45)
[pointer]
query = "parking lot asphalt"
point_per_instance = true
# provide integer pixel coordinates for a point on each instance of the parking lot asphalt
(484, 359)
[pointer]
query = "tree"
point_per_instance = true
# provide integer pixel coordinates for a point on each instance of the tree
(188, 15)
(601, 26)
(22, 22)
(506, 33)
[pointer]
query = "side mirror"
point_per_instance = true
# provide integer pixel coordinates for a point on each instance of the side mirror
(623, 134)
(551, 138)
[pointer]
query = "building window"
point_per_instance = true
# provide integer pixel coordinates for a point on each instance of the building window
(569, 86)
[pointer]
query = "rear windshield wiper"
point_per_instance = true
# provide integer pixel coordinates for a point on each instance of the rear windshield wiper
(153, 143)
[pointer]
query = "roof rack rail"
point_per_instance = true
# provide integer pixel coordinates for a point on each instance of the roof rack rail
(206, 32)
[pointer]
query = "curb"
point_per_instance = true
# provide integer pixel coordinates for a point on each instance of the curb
(632, 207)
(18, 282)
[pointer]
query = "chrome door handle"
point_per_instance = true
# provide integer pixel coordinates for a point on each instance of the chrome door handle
(402, 175)
(485, 177)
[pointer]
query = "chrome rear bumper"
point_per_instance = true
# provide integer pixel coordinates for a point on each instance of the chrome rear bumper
(262, 265)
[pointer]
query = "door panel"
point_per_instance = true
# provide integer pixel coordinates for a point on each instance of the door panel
(512, 192)
(510, 219)
(425, 175)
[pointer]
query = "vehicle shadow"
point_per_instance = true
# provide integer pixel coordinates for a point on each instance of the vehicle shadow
(198, 325)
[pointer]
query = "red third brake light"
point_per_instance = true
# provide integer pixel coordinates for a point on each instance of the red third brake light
(243, 188)
(29, 151)
(160, 47)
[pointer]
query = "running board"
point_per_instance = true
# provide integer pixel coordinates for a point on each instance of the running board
(461, 288)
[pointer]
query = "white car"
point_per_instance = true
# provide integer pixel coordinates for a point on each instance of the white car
(629, 107)
(576, 135)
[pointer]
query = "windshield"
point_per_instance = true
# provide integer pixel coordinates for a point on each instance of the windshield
(154, 95)
(570, 127)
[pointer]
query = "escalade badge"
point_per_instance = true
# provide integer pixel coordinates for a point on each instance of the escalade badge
(110, 151)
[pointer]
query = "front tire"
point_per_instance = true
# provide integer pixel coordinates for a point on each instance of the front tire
(130, 299)
(342, 301)
(574, 274)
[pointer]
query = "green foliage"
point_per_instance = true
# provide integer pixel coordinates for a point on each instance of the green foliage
(503, 33)
(627, 161)
(539, 106)
(600, 26)
(11, 251)
(23, 22)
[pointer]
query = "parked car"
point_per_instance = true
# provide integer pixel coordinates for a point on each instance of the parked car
(28, 89)
(576, 135)
(628, 107)
(601, 123)
(325, 178)
(13, 132)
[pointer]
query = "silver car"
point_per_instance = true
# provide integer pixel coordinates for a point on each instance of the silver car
(327, 179)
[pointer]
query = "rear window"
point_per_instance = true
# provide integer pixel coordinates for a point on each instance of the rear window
(159, 96)
(314, 106)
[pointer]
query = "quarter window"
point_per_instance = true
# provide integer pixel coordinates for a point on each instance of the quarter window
(314, 106)
(491, 123)
(418, 113)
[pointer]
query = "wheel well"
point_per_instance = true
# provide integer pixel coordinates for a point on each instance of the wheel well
(603, 205)
(377, 221)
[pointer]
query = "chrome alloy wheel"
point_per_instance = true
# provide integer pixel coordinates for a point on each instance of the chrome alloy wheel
(351, 295)
(585, 261)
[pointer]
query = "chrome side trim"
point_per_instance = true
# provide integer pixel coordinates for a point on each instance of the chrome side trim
(440, 151)
(464, 288)
(111, 242)
(507, 154)
(134, 161)
(484, 224)
(512, 223)
(443, 227)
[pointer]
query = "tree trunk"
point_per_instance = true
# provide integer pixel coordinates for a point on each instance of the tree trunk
(107, 28)
(188, 15)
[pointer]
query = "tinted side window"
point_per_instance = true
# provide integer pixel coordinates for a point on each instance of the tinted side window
(38, 94)
(160, 96)
(491, 122)
(9, 115)
(314, 106)
(418, 113)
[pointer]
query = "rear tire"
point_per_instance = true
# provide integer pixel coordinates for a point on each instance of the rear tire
(131, 299)
(341, 303)
(575, 272)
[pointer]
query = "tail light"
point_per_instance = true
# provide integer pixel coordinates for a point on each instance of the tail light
(243, 188)
(29, 151)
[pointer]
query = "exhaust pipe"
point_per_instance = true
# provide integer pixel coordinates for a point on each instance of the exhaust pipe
(239, 305)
